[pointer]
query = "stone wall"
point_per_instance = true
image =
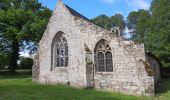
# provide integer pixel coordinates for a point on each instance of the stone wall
(35, 69)
(129, 75)
(89, 67)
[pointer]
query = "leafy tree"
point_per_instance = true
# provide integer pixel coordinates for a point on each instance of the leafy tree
(118, 20)
(4, 59)
(22, 22)
(26, 63)
(159, 33)
(109, 22)
(137, 22)
(103, 21)
(153, 28)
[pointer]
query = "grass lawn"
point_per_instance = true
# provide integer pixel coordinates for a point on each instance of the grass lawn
(20, 87)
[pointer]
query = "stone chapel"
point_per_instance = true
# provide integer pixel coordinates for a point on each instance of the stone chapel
(74, 51)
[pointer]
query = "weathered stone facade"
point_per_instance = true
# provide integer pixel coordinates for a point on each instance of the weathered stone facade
(35, 69)
(129, 73)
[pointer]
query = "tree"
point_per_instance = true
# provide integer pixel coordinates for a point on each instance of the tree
(159, 33)
(153, 28)
(103, 21)
(4, 60)
(109, 22)
(26, 63)
(22, 22)
(137, 22)
(118, 21)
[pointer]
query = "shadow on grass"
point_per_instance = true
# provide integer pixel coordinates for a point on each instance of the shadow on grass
(163, 86)
(18, 75)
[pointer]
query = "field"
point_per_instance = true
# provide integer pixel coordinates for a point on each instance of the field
(20, 87)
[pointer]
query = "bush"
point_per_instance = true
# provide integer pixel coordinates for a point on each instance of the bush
(166, 72)
(4, 61)
(26, 63)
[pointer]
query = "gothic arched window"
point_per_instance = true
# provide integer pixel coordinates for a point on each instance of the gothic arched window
(103, 57)
(100, 61)
(60, 51)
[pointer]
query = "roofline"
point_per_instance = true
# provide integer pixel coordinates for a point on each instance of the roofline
(77, 14)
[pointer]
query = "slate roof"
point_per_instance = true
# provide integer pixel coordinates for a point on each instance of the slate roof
(76, 14)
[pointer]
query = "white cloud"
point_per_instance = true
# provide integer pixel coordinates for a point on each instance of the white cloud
(24, 54)
(134, 4)
(138, 4)
(111, 1)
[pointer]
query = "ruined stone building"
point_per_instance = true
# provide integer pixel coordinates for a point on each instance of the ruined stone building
(76, 52)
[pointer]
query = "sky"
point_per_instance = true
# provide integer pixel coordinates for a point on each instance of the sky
(93, 8)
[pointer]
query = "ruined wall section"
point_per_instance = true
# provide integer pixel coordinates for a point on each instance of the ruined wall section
(137, 52)
(129, 75)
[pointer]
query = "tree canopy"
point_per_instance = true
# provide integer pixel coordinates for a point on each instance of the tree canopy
(137, 22)
(109, 22)
(153, 28)
(22, 22)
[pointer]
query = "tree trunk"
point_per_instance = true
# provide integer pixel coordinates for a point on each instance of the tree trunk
(14, 56)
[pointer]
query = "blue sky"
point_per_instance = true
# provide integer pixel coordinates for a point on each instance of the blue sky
(93, 8)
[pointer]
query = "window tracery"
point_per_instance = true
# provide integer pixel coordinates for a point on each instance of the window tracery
(104, 57)
(60, 51)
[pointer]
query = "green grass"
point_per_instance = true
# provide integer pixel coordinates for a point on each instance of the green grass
(20, 87)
